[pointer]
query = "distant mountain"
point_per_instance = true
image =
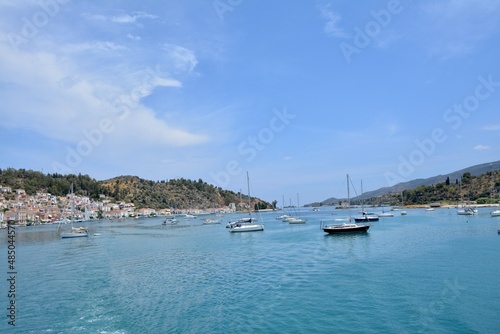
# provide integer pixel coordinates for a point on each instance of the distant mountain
(473, 170)
(398, 188)
(328, 201)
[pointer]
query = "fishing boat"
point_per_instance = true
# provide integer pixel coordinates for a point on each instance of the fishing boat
(247, 225)
(347, 227)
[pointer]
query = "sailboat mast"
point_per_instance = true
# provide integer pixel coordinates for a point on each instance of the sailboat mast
(298, 206)
(248, 186)
(348, 195)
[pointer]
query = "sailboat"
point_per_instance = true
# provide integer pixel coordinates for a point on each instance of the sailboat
(296, 220)
(403, 213)
(365, 216)
(346, 227)
(285, 215)
(246, 224)
(75, 232)
(244, 220)
(466, 210)
(385, 214)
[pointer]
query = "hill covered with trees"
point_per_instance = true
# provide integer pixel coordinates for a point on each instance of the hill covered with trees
(174, 193)
(481, 189)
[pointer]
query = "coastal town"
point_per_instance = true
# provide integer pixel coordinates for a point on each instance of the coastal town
(19, 208)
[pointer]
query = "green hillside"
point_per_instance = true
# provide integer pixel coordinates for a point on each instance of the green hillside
(481, 189)
(174, 193)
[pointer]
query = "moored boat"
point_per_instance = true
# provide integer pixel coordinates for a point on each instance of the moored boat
(468, 211)
(75, 232)
(365, 217)
(246, 224)
(210, 221)
(347, 227)
(495, 213)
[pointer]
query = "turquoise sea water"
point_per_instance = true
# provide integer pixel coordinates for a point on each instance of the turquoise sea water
(427, 272)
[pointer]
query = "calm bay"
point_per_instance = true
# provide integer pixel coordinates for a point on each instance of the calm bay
(429, 271)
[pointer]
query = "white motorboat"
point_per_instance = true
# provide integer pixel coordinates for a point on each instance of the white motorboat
(385, 214)
(76, 232)
(495, 213)
(210, 221)
(296, 220)
(170, 221)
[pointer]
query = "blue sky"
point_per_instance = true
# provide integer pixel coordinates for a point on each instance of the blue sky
(297, 93)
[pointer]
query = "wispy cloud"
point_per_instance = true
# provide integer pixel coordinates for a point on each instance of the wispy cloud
(391, 129)
(472, 22)
(481, 147)
(133, 37)
(333, 18)
(181, 58)
(131, 18)
(493, 127)
(94, 46)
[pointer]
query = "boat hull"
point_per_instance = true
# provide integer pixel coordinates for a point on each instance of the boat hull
(73, 235)
(246, 228)
(339, 229)
(296, 221)
(365, 219)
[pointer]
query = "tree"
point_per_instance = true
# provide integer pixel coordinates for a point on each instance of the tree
(447, 181)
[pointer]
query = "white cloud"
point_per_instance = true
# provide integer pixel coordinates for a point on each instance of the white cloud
(93, 46)
(481, 147)
(332, 24)
(66, 98)
(181, 58)
(127, 18)
(133, 37)
(493, 127)
(122, 18)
